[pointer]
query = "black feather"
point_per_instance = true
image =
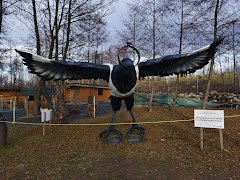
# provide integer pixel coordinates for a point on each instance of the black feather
(56, 70)
(179, 63)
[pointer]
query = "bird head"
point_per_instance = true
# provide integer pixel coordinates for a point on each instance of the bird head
(127, 63)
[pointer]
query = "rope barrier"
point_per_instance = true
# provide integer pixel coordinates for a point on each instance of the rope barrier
(107, 124)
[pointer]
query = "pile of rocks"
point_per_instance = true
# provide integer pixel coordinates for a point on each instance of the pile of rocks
(223, 97)
(214, 96)
(191, 95)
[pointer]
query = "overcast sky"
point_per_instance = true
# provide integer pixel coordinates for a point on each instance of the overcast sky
(114, 20)
(19, 31)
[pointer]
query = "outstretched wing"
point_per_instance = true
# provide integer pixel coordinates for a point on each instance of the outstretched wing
(179, 63)
(50, 69)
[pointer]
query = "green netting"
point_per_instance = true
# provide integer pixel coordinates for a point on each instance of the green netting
(161, 99)
(32, 91)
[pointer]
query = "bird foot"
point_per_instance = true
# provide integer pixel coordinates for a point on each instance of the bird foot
(136, 133)
(111, 135)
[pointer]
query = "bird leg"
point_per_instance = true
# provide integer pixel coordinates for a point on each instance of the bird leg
(136, 133)
(111, 134)
(132, 115)
(113, 117)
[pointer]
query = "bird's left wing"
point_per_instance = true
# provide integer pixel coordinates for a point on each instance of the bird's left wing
(50, 69)
(179, 63)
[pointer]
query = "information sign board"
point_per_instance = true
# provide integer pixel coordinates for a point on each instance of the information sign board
(209, 118)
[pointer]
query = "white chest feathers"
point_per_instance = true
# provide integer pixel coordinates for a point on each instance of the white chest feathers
(114, 91)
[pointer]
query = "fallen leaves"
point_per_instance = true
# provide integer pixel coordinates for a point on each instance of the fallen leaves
(170, 150)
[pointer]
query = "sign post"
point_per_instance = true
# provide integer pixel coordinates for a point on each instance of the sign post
(201, 138)
(209, 119)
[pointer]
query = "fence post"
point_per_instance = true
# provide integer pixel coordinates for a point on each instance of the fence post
(94, 107)
(14, 110)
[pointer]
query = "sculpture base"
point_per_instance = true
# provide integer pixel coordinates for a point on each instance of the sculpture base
(136, 133)
(111, 135)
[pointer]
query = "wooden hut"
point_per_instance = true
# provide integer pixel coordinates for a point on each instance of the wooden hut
(6, 95)
(79, 91)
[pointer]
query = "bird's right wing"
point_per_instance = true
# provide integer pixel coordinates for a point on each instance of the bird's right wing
(56, 70)
(179, 63)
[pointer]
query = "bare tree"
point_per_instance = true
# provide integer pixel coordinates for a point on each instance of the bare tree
(6, 8)
(222, 22)
(153, 36)
(185, 13)
(133, 26)
(1, 15)
(63, 29)
(235, 71)
(180, 51)
(41, 83)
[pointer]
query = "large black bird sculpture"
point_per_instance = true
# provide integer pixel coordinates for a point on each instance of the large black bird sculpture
(122, 78)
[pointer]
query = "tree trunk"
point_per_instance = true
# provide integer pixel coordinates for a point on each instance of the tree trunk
(38, 46)
(235, 72)
(212, 61)
(151, 93)
(61, 105)
(222, 75)
(175, 92)
(60, 83)
(154, 53)
(180, 51)
(36, 99)
(1, 15)
(3, 132)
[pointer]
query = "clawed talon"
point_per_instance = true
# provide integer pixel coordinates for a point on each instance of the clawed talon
(111, 135)
(136, 133)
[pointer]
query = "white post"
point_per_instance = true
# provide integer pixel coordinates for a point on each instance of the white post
(94, 107)
(14, 110)
(44, 119)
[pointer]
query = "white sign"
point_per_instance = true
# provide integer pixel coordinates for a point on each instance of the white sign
(46, 114)
(209, 118)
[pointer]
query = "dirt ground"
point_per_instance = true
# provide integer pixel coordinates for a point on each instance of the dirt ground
(170, 151)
